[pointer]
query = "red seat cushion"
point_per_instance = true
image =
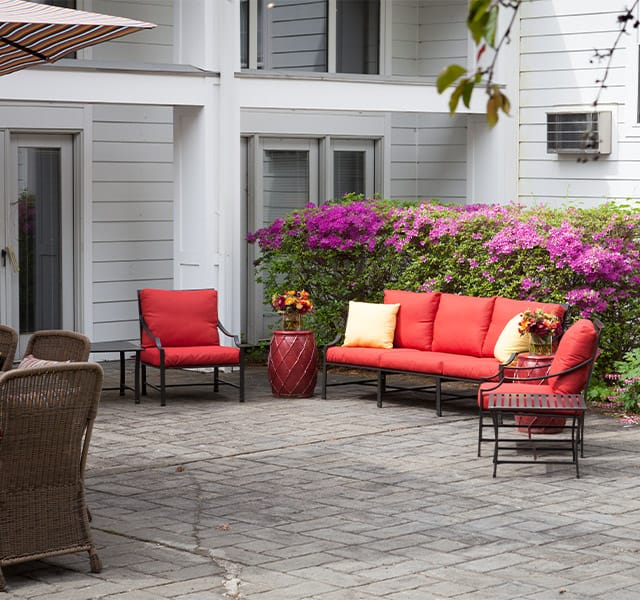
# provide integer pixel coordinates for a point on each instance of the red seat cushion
(180, 317)
(576, 345)
(192, 356)
(351, 355)
(414, 321)
(504, 310)
(409, 359)
(461, 324)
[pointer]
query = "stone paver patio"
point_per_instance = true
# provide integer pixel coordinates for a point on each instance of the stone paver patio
(336, 499)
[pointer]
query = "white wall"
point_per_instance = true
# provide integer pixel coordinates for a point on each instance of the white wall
(557, 40)
(427, 35)
(428, 157)
(132, 211)
(146, 46)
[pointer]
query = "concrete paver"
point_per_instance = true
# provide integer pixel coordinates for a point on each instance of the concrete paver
(311, 499)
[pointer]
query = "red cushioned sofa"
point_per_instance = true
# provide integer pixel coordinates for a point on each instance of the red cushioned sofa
(447, 337)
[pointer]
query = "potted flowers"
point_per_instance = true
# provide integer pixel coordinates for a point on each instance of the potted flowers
(292, 305)
(542, 328)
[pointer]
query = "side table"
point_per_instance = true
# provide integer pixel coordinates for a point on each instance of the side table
(293, 364)
(122, 347)
(547, 405)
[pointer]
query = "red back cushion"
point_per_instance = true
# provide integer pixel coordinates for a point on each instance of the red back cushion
(577, 344)
(504, 310)
(180, 317)
(414, 321)
(461, 324)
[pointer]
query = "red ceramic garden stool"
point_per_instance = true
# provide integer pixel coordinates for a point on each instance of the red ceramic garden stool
(293, 364)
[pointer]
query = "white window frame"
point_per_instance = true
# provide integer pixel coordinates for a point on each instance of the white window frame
(384, 20)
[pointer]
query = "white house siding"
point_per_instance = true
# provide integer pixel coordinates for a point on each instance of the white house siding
(428, 157)
(132, 212)
(427, 36)
(154, 46)
(557, 43)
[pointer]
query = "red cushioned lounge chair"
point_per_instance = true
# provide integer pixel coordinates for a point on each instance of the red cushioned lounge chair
(569, 373)
(180, 329)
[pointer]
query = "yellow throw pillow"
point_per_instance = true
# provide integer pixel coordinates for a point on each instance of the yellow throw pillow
(510, 341)
(370, 325)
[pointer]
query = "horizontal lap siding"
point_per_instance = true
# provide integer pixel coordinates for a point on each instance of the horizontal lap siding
(427, 36)
(428, 157)
(557, 41)
(150, 46)
(132, 212)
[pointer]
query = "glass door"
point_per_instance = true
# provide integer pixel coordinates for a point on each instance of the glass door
(38, 255)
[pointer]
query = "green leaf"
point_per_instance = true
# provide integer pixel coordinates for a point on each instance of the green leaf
(477, 18)
(448, 75)
(491, 26)
(455, 96)
(467, 91)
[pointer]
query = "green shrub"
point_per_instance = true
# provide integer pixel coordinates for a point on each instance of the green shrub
(355, 248)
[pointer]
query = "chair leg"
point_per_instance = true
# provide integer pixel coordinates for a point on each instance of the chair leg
(379, 388)
(94, 561)
(241, 383)
(216, 380)
(143, 372)
(3, 583)
(163, 391)
(480, 434)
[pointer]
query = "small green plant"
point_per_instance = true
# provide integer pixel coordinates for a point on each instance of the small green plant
(626, 382)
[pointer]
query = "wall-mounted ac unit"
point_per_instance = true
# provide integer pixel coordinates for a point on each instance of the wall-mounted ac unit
(579, 132)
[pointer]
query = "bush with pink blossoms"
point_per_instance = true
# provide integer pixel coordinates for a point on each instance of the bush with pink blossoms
(355, 248)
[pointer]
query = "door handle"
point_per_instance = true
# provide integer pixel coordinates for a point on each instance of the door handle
(13, 259)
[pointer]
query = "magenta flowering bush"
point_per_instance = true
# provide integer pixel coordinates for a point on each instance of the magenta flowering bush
(354, 249)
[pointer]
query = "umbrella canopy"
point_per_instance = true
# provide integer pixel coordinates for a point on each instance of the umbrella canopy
(33, 33)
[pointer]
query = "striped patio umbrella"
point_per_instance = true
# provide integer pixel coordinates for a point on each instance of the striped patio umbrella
(32, 33)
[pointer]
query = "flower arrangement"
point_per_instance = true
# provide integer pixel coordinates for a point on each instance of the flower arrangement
(539, 323)
(292, 305)
(541, 327)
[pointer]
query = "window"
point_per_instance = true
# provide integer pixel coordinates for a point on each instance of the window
(335, 36)
(283, 174)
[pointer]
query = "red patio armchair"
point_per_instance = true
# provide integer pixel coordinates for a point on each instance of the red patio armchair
(180, 329)
(569, 373)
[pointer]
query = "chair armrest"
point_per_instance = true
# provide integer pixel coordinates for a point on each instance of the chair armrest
(236, 338)
(333, 342)
(147, 330)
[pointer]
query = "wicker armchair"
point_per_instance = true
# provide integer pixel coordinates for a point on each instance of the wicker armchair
(59, 344)
(8, 346)
(46, 419)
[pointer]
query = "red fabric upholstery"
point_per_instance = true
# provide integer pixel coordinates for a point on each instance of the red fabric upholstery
(576, 345)
(461, 324)
(408, 359)
(192, 356)
(504, 310)
(414, 322)
(469, 367)
(180, 317)
(366, 357)
(514, 388)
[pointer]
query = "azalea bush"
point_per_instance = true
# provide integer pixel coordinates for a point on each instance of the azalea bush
(353, 249)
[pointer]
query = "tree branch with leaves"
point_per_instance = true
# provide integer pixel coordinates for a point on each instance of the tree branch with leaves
(482, 23)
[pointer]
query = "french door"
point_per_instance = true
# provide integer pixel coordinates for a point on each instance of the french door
(37, 257)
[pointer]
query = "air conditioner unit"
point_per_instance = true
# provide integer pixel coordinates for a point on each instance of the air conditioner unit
(579, 132)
